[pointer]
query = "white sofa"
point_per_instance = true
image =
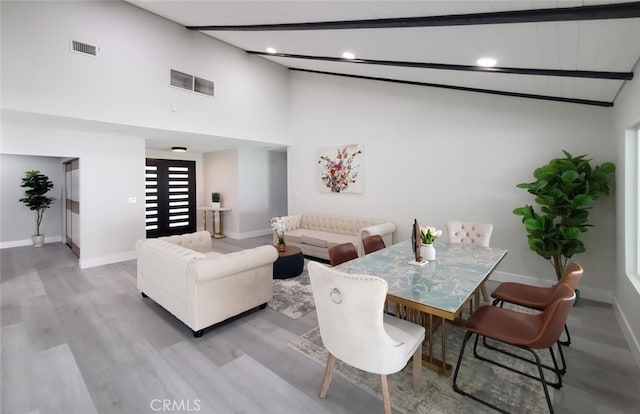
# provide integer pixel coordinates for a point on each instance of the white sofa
(201, 287)
(314, 234)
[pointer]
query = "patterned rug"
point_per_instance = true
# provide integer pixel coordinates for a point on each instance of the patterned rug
(293, 297)
(504, 388)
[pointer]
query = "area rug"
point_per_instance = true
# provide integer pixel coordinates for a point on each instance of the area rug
(293, 297)
(504, 388)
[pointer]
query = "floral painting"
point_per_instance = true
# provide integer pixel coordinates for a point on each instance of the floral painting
(341, 169)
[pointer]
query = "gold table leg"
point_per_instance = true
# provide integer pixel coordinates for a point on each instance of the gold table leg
(216, 234)
(429, 360)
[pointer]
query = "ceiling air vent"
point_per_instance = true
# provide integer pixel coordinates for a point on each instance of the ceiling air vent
(191, 83)
(84, 48)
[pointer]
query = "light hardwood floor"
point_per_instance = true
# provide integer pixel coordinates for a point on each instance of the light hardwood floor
(84, 341)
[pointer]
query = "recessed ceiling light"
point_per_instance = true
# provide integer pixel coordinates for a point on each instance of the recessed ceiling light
(348, 55)
(271, 50)
(486, 62)
(179, 149)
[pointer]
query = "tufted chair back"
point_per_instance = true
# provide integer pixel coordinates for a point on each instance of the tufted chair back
(469, 233)
(350, 318)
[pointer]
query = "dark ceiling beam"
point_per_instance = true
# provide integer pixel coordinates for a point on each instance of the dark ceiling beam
(561, 14)
(464, 88)
(468, 68)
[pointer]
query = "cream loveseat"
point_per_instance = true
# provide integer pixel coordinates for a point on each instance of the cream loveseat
(316, 233)
(201, 287)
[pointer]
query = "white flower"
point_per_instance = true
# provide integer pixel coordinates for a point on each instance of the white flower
(429, 234)
(277, 224)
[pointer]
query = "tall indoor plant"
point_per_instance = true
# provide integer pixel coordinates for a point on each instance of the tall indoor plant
(37, 186)
(563, 190)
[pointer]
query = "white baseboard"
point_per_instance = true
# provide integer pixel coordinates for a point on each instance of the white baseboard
(247, 235)
(29, 242)
(599, 295)
(104, 260)
(632, 340)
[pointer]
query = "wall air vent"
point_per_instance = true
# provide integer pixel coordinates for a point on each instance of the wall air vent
(191, 83)
(84, 48)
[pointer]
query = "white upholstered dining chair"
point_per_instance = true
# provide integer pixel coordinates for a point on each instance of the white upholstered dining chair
(355, 330)
(471, 233)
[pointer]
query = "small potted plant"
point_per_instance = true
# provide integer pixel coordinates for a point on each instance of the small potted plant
(37, 186)
(428, 236)
(215, 201)
(277, 224)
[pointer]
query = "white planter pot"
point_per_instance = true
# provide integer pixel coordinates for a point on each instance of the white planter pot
(215, 206)
(38, 241)
(428, 252)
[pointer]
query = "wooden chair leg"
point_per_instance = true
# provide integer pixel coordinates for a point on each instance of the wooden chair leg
(417, 369)
(385, 394)
(328, 372)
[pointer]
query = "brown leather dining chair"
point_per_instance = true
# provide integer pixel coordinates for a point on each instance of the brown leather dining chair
(373, 243)
(529, 332)
(536, 297)
(341, 253)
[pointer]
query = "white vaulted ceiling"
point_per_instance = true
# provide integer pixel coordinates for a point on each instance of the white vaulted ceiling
(529, 50)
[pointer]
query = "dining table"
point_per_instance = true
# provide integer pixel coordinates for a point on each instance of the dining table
(434, 292)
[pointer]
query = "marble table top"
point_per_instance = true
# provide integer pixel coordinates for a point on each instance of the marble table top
(444, 284)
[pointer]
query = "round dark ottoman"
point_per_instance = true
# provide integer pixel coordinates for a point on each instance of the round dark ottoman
(289, 263)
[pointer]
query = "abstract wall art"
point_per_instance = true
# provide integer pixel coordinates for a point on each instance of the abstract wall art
(341, 169)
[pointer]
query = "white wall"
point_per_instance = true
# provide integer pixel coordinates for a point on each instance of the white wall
(627, 115)
(262, 178)
(17, 222)
(437, 155)
(129, 82)
(220, 171)
(111, 171)
(278, 194)
(252, 183)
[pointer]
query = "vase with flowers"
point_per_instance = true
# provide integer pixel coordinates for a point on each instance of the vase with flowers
(277, 224)
(428, 236)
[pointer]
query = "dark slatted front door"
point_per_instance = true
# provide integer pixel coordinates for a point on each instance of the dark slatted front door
(170, 198)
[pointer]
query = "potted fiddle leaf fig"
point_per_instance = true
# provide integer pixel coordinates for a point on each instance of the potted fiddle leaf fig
(37, 186)
(564, 190)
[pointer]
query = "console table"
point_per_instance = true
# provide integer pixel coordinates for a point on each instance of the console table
(216, 215)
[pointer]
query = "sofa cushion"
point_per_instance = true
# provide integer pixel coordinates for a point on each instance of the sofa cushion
(295, 236)
(333, 239)
(319, 240)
